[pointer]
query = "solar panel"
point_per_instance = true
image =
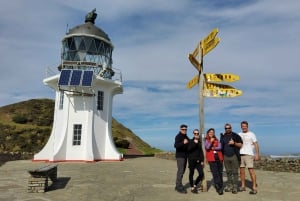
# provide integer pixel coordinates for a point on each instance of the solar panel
(64, 77)
(87, 78)
(76, 78)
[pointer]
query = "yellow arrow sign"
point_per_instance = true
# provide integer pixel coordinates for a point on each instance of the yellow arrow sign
(195, 62)
(221, 77)
(192, 82)
(214, 90)
(207, 47)
(210, 36)
(196, 51)
(206, 40)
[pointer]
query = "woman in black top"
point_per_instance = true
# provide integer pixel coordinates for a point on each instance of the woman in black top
(195, 160)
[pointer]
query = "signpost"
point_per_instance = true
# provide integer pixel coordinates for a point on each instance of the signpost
(207, 87)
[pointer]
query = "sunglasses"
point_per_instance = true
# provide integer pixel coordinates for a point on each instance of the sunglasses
(228, 128)
(196, 133)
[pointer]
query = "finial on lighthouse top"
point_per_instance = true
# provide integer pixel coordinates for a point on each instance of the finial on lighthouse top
(91, 16)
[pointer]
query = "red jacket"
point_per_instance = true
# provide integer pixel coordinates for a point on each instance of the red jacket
(211, 149)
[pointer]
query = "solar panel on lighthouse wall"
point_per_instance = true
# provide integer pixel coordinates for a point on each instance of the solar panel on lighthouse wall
(87, 78)
(82, 78)
(76, 78)
(64, 78)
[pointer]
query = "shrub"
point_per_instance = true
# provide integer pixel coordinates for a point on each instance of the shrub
(122, 143)
(19, 119)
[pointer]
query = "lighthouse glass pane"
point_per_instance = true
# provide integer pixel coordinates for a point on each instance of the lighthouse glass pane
(82, 46)
(64, 77)
(77, 40)
(76, 78)
(77, 130)
(87, 78)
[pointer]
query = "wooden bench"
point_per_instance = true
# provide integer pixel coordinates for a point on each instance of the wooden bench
(38, 180)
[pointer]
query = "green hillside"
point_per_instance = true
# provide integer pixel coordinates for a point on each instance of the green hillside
(26, 127)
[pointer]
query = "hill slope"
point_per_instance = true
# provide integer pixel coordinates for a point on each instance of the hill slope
(26, 126)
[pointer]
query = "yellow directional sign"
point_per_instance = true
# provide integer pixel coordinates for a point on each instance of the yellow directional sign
(192, 82)
(195, 62)
(213, 90)
(196, 51)
(207, 47)
(210, 36)
(205, 41)
(221, 77)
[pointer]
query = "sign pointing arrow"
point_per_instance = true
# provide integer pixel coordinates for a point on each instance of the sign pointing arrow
(210, 37)
(195, 62)
(207, 47)
(214, 90)
(192, 82)
(221, 77)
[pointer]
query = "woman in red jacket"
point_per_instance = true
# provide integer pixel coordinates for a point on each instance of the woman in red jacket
(214, 158)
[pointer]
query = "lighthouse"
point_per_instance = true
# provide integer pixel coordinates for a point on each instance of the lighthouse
(84, 89)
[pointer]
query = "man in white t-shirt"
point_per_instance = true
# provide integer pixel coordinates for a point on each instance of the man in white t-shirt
(249, 152)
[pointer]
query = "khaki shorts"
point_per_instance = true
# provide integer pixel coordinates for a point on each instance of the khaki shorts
(247, 161)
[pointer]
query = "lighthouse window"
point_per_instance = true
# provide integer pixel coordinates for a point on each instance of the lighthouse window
(100, 100)
(77, 130)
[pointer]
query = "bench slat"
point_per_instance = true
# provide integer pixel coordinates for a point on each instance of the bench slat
(44, 169)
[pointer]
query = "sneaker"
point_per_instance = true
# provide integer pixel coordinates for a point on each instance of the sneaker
(194, 190)
(253, 192)
(220, 192)
(234, 191)
(180, 190)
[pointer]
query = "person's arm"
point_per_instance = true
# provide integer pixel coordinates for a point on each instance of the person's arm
(207, 144)
(178, 142)
(256, 147)
(219, 147)
(236, 141)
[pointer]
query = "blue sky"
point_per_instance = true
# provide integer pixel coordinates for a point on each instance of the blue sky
(152, 38)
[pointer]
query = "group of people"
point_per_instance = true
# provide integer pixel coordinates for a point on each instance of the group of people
(234, 151)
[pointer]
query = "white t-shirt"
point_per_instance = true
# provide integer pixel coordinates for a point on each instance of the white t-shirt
(248, 139)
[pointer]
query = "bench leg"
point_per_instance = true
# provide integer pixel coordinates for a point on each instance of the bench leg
(53, 175)
(37, 184)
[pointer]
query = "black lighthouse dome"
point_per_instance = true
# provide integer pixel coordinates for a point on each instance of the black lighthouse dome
(87, 46)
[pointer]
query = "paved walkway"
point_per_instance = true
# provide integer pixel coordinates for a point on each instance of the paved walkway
(134, 179)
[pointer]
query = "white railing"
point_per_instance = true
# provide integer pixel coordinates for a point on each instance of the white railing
(51, 71)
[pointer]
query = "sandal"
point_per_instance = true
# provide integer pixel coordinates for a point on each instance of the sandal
(253, 192)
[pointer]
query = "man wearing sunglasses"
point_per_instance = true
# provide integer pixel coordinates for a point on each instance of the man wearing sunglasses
(231, 143)
(181, 146)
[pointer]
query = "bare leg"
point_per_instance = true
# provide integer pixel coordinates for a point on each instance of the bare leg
(242, 176)
(253, 178)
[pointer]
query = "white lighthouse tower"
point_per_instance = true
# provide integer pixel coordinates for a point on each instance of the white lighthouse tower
(84, 87)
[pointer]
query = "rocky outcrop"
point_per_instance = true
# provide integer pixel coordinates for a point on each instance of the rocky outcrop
(265, 163)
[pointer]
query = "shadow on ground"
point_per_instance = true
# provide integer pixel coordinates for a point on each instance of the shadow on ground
(60, 183)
